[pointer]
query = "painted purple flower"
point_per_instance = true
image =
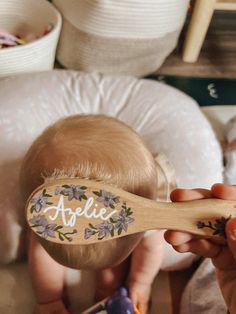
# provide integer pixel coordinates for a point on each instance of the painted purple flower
(43, 228)
(107, 198)
(104, 229)
(39, 220)
(47, 231)
(72, 191)
(39, 202)
(58, 190)
(107, 228)
(88, 233)
(122, 221)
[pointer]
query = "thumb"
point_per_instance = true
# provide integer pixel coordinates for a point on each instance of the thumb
(231, 236)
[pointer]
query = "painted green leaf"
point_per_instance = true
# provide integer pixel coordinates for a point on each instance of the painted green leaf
(91, 226)
(58, 227)
(61, 237)
(112, 232)
(119, 231)
(96, 193)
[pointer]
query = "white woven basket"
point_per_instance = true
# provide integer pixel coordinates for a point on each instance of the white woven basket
(33, 16)
(119, 36)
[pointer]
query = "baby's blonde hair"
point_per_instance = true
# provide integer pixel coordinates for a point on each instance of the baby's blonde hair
(92, 147)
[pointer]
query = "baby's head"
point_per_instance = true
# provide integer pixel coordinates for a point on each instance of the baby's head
(91, 147)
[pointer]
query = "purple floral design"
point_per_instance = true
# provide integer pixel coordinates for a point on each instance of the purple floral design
(107, 198)
(103, 230)
(89, 232)
(72, 191)
(218, 227)
(39, 201)
(118, 222)
(45, 230)
(122, 220)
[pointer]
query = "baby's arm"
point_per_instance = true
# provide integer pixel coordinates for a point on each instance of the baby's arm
(47, 279)
(145, 264)
(108, 280)
(151, 255)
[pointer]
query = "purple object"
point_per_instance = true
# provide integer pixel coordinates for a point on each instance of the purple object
(120, 303)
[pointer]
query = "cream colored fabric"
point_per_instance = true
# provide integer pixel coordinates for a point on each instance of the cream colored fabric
(29, 17)
(87, 52)
(119, 37)
(230, 152)
(125, 18)
(202, 294)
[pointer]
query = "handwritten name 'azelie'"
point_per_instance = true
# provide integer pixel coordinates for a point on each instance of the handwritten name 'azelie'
(68, 216)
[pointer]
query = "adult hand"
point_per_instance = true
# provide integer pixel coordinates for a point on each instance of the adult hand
(223, 256)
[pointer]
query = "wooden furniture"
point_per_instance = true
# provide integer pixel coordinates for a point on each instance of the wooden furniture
(201, 18)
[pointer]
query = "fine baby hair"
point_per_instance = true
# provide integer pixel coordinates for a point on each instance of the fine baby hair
(95, 147)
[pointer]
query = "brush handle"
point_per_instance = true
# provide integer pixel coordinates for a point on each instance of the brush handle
(79, 211)
(205, 217)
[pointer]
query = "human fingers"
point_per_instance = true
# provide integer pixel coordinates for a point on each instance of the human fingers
(143, 307)
(176, 238)
(110, 279)
(224, 260)
(201, 247)
(140, 293)
(231, 236)
(223, 191)
(180, 195)
(227, 259)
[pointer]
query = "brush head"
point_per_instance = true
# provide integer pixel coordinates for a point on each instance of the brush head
(73, 219)
(78, 211)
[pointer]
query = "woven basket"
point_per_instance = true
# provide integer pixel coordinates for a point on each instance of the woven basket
(119, 37)
(31, 16)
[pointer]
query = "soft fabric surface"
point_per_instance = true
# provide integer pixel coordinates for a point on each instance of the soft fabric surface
(202, 294)
(168, 121)
(230, 154)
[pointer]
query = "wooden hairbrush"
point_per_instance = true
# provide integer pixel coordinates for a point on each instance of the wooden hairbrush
(82, 211)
